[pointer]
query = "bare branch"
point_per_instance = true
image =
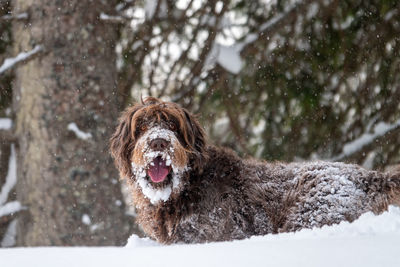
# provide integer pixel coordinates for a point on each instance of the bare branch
(233, 118)
(7, 136)
(21, 57)
(6, 219)
(274, 24)
(184, 54)
(185, 90)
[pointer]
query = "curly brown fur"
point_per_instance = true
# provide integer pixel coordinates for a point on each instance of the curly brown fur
(210, 194)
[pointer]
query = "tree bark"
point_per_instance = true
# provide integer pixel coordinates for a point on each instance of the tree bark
(68, 184)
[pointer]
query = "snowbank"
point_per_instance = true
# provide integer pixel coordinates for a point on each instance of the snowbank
(369, 241)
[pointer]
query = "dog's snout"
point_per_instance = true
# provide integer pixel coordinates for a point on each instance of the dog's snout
(158, 144)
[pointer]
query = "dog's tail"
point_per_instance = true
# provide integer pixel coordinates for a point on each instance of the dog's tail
(393, 186)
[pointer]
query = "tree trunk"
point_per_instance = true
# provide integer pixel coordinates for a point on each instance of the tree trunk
(66, 179)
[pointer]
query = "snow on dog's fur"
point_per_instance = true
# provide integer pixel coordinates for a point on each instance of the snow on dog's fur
(143, 156)
(188, 191)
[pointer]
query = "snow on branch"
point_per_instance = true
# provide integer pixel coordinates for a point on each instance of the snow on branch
(113, 19)
(229, 57)
(80, 134)
(365, 140)
(5, 123)
(23, 56)
(11, 178)
(10, 208)
(21, 16)
(155, 8)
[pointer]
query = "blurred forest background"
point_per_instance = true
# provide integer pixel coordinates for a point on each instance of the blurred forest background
(274, 79)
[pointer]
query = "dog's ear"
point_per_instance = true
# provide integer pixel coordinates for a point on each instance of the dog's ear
(199, 139)
(122, 142)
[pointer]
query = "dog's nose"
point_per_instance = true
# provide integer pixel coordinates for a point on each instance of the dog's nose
(158, 144)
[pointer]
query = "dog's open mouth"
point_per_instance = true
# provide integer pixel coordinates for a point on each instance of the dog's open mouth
(158, 170)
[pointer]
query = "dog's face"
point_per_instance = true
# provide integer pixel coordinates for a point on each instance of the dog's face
(155, 144)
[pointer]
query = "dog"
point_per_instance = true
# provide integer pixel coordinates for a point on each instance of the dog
(188, 191)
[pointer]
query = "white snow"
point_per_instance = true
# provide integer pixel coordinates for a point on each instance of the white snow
(153, 194)
(5, 123)
(156, 194)
(368, 224)
(22, 16)
(369, 160)
(370, 241)
(19, 16)
(227, 56)
(390, 14)
(80, 134)
(10, 62)
(86, 219)
(95, 226)
(229, 59)
(134, 242)
(10, 208)
(106, 17)
(10, 235)
(11, 178)
(136, 44)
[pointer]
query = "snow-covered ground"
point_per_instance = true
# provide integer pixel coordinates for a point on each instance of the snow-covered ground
(369, 241)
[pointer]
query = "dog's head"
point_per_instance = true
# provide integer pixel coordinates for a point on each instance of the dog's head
(155, 144)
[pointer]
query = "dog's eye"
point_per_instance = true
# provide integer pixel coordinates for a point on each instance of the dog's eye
(172, 126)
(143, 127)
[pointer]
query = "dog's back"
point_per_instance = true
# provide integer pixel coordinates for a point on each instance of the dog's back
(242, 198)
(326, 193)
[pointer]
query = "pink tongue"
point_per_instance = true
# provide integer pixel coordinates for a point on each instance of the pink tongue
(158, 170)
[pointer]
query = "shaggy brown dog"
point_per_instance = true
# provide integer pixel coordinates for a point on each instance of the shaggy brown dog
(187, 191)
